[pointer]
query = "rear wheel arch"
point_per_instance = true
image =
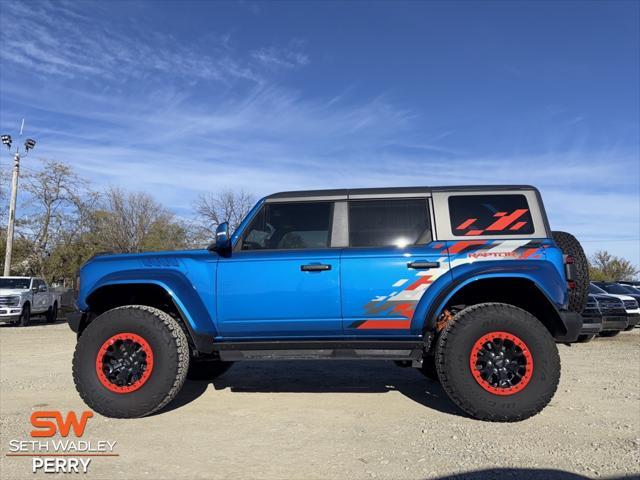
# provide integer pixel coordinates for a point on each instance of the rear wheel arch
(116, 295)
(517, 291)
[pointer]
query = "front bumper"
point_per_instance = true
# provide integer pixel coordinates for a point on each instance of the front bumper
(10, 313)
(633, 319)
(591, 325)
(614, 322)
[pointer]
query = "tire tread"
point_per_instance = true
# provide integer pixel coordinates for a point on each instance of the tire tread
(175, 334)
(453, 329)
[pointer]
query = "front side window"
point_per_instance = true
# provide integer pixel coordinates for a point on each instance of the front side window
(387, 223)
(490, 215)
(282, 226)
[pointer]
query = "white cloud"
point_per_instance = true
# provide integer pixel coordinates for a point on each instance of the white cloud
(60, 39)
(280, 57)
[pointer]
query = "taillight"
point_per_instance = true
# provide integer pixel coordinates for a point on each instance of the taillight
(571, 285)
(568, 260)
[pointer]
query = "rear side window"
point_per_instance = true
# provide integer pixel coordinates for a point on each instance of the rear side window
(282, 226)
(490, 215)
(386, 223)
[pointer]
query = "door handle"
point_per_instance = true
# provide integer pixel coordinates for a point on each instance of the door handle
(315, 267)
(423, 265)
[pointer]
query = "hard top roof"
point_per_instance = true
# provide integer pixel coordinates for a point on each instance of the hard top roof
(347, 193)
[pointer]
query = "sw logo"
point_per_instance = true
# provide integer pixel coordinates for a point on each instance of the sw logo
(47, 424)
(48, 428)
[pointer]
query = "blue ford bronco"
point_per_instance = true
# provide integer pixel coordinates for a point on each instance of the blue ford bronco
(468, 284)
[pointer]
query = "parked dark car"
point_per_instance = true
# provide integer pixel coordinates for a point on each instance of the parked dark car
(591, 320)
(632, 309)
(634, 319)
(630, 283)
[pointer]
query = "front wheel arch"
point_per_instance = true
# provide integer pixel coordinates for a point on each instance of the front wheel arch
(114, 295)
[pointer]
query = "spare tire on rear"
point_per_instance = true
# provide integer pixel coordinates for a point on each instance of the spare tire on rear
(571, 246)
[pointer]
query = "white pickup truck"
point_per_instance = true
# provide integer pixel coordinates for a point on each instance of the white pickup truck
(24, 297)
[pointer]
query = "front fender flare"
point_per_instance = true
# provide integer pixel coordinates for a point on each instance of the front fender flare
(188, 303)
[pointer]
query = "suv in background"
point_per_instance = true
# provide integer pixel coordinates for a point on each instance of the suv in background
(614, 315)
(468, 284)
(24, 297)
(629, 297)
(634, 292)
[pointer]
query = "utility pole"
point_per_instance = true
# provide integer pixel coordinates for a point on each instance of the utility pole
(28, 145)
(12, 213)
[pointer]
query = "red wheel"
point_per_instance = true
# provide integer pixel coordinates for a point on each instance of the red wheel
(124, 363)
(501, 363)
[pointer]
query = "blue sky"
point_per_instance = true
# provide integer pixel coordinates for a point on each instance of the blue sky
(177, 99)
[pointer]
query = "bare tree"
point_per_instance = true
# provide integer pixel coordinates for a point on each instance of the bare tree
(54, 207)
(226, 206)
(606, 267)
(133, 222)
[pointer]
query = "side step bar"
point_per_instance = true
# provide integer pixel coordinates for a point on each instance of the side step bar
(320, 350)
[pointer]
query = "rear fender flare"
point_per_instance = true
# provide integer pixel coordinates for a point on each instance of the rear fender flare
(431, 312)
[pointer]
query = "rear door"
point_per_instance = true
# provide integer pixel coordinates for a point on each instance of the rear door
(283, 277)
(391, 262)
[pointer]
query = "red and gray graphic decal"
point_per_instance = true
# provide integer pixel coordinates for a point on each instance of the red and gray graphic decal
(504, 221)
(407, 292)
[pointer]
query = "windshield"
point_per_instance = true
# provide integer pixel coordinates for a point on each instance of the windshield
(614, 288)
(595, 289)
(15, 283)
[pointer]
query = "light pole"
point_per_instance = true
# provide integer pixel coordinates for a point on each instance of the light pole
(28, 145)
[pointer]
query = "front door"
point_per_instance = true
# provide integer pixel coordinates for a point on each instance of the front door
(390, 264)
(40, 296)
(282, 279)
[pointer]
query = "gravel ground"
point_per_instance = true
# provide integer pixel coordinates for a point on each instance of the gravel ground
(336, 420)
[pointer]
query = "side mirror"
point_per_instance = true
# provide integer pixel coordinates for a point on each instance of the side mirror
(222, 241)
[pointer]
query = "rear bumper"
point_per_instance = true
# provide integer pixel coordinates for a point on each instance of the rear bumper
(614, 322)
(573, 326)
(74, 319)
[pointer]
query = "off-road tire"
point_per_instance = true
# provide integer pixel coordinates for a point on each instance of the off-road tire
(207, 369)
(585, 338)
(571, 246)
(429, 369)
(170, 361)
(25, 316)
(52, 313)
(610, 333)
(453, 353)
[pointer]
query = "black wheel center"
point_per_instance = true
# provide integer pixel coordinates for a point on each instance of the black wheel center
(501, 363)
(124, 362)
